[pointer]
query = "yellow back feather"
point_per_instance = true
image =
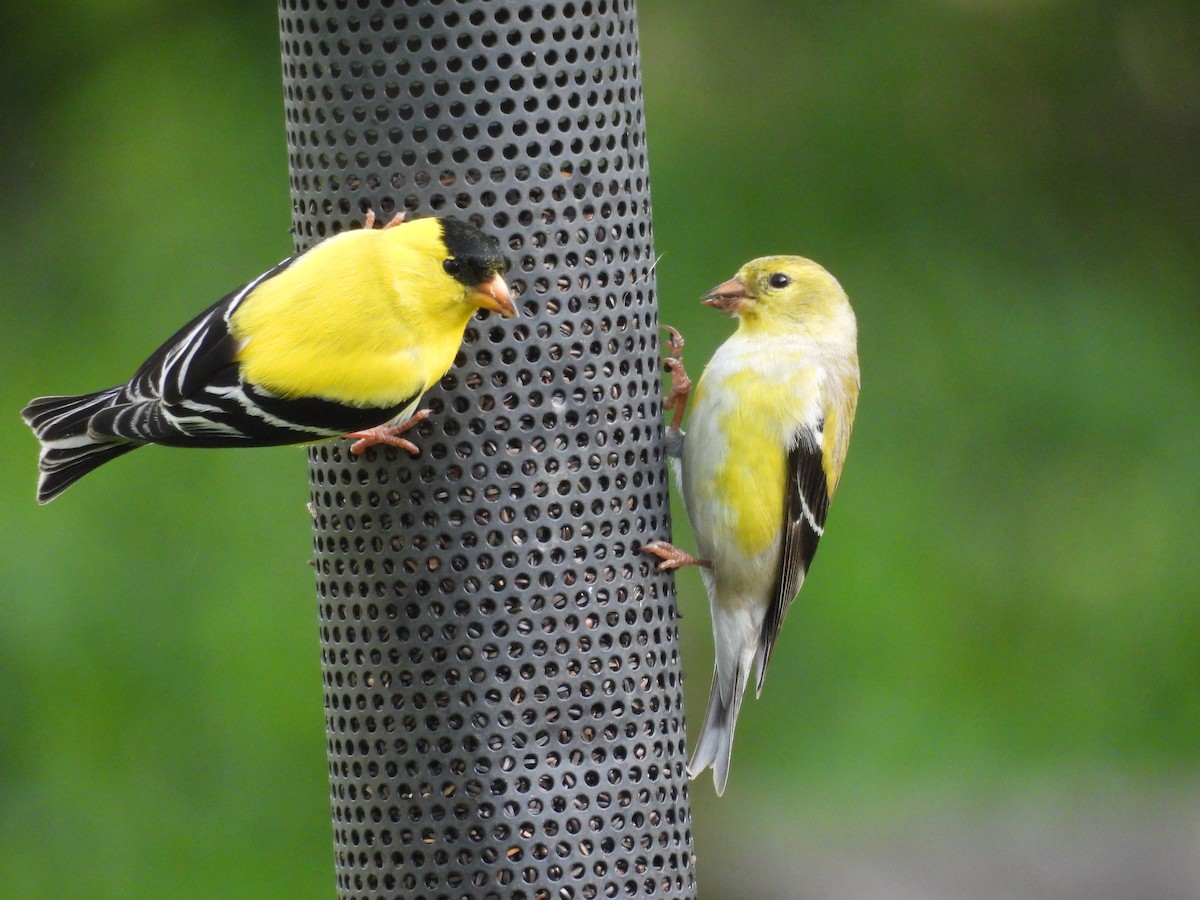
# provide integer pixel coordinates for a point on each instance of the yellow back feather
(839, 420)
(367, 318)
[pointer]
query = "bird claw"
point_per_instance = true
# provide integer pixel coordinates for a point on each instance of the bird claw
(672, 557)
(369, 220)
(681, 384)
(675, 342)
(389, 435)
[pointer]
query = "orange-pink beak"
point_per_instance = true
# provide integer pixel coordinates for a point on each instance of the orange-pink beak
(729, 297)
(494, 294)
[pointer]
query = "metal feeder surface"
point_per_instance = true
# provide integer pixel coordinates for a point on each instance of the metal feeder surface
(501, 673)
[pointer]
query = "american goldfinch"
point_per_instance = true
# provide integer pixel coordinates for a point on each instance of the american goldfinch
(767, 436)
(342, 339)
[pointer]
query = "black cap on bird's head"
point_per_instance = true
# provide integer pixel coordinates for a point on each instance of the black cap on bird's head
(476, 261)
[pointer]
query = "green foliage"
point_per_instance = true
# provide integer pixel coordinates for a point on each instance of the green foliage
(1007, 592)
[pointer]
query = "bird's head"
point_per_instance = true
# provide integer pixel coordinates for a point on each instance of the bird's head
(475, 261)
(780, 292)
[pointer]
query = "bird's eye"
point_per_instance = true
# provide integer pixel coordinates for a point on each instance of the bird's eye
(452, 267)
(779, 280)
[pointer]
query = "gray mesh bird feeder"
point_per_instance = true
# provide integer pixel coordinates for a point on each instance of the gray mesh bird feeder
(502, 688)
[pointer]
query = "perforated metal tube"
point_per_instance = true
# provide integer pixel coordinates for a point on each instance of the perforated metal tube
(504, 712)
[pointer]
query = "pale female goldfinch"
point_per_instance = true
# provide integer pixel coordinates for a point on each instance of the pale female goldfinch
(342, 339)
(766, 439)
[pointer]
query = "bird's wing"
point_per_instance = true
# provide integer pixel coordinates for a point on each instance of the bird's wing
(191, 392)
(805, 509)
(200, 355)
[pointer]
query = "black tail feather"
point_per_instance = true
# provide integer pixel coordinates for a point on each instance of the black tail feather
(69, 450)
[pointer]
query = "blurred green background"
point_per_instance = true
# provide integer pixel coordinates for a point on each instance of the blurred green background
(990, 687)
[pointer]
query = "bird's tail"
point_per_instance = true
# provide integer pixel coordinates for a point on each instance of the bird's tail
(736, 641)
(69, 450)
(714, 747)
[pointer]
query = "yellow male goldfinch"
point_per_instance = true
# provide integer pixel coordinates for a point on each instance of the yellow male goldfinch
(342, 339)
(767, 436)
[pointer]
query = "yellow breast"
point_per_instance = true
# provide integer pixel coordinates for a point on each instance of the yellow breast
(737, 463)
